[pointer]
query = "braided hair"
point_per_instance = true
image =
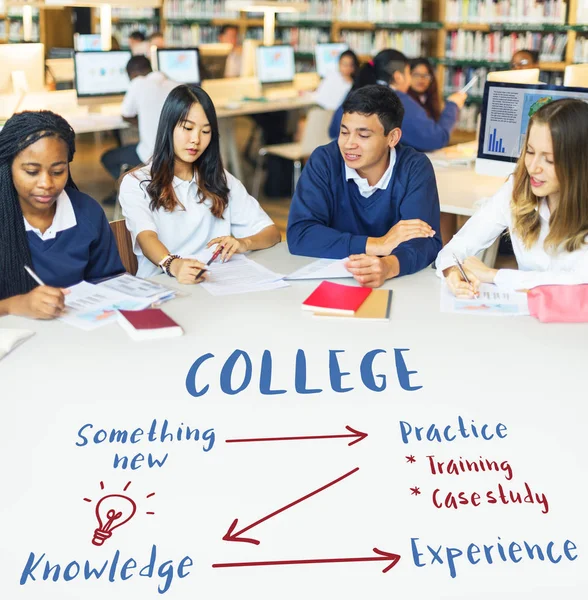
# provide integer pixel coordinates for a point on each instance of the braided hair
(21, 131)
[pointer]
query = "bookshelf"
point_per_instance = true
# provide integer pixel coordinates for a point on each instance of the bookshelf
(11, 24)
(125, 20)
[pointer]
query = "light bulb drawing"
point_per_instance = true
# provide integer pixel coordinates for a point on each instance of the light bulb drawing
(112, 511)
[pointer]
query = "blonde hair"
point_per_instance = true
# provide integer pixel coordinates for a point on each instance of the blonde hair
(567, 120)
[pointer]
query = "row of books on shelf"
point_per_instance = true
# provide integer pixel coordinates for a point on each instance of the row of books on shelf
(13, 31)
(122, 31)
(16, 11)
(197, 9)
(506, 11)
(380, 11)
(303, 39)
(468, 117)
(581, 50)
(318, 10)
(190, 35)
(369, 43)
(132, 13)
(500, 46)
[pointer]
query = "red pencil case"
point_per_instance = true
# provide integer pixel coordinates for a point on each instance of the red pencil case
(559, 303)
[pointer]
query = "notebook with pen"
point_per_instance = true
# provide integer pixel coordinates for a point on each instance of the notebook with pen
(336, 298)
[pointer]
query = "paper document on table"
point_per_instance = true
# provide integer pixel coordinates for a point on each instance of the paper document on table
(238, 276)
(139, 288)
(90, 306)
(324, 268)
(492, 301)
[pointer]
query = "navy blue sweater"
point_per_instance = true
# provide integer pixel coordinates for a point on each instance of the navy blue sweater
(85, 252)
(418, 129)
(329, 218)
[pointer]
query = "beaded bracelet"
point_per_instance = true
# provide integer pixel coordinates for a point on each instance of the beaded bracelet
(167, 263)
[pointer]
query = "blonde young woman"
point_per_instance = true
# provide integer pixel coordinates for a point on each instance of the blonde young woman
(544, 206)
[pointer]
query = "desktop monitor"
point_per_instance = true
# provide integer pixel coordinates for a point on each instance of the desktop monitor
(214, 59)
(516, 76)
(326, 57)
(101, 76)
(88, 42)
(506, 110)
(576, 76)
(22, 58)
(179, 64)
(275, 64)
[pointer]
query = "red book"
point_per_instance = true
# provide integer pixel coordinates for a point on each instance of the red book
(336, 298)
(149, 323)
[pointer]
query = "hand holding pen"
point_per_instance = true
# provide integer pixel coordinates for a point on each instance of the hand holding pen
(43, 302)
(212, 259)
(461, 285)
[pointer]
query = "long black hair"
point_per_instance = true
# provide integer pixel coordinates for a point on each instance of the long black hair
(381, 68)
(19, 132)
(431, 103)
(212, 180)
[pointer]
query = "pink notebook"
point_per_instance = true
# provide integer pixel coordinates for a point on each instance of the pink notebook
(336, 298)
(150, 323)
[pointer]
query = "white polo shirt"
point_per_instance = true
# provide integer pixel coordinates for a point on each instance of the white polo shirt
(64, 218)
(365, 189)
(144, 99)
(187, 229)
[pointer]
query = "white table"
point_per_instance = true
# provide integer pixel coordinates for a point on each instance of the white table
(518, 372)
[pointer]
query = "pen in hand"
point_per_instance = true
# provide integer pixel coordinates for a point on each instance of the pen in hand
(212, 259)
(463, 273)
(33, 275)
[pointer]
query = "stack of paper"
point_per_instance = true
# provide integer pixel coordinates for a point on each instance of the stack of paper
(492, 301)
(238, 276)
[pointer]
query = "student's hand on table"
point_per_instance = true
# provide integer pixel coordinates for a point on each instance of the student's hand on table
(458, 98)
(481, 271)
(186, 269)
(459, 288)
(230, 245)
(401, 232)
(369, 271)
(43, 302)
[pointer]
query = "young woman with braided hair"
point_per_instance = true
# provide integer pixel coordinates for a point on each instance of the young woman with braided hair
(45, 221)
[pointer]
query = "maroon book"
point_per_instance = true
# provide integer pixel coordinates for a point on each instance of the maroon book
(149, 323)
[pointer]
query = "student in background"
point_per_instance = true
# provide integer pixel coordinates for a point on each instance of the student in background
(525, 59)
(544, 207)
(334, 88)
(392, 69)
(137, 43)
(143, 103)
(367, 197)
(184, 201)
(156, 39)
(229, 34)
(45, 222)
(424, 88)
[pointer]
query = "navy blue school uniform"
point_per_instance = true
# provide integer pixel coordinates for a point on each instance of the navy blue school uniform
(85, 251)
(329, 218)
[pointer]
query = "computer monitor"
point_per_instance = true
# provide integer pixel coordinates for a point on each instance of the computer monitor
(326, 57)
(101, 76)
(214, 59)
(275, 64)
(179, 64)
(88, 42)
(515, 76)
(22, 58)
(576, 76)
(506, 110)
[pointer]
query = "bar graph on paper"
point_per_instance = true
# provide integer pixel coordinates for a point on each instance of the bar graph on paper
(495, 144)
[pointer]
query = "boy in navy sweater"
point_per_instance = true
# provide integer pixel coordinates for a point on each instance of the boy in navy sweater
(366, 197)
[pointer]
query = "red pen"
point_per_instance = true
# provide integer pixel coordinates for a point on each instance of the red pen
(212, 259)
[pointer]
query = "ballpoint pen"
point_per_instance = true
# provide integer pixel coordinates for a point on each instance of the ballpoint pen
(462, 272)
(212, 259)
(33, 275)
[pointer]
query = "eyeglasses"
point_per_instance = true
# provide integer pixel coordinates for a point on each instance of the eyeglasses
(426, 76)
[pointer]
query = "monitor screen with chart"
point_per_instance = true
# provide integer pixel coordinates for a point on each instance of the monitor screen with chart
(326, 57)
(506, 110)
(179, 64)
(275, 64)
(101, 73)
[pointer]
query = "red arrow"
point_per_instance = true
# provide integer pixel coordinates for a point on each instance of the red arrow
(357, 435)
(235, 537)
(382, 556)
